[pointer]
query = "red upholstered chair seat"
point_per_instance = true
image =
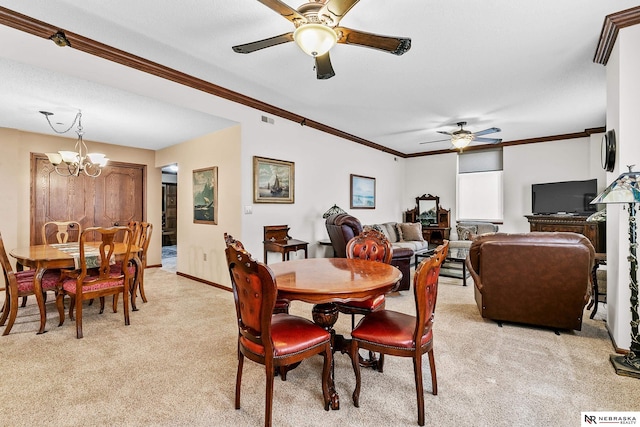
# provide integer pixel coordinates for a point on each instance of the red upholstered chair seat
(389, 328)
(69, 285)
(362, 307)
(25, 280)
(290, 334)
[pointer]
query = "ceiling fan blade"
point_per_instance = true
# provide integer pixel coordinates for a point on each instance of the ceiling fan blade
(285, 10)
(444, 132)
(261, 44)
(488, 140)
(324, 70)
(437, 140)
(395, 45)
(336, 9)
(487, 131)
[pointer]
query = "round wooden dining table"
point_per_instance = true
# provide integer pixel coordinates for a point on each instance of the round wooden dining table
(45, 257)
(325, 281)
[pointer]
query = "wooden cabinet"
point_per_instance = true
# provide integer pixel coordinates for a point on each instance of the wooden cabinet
(594, 231)
(113, 198)
(435, 235)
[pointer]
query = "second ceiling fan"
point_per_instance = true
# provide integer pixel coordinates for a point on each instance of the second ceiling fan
(461, 138)
(317, 31)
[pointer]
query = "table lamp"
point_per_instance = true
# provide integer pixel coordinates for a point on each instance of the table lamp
(335, 209)
(626, 189)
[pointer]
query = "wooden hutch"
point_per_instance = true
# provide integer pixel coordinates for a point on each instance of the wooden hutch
(595, 231)
(434, 219)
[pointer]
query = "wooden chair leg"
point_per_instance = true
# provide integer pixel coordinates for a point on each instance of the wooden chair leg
(239, 378)
(141, 285)
(60, 306)
(13, 312)
(417, 369)
(268, 401)
(434, 378)
(78, 318)
(355, 362)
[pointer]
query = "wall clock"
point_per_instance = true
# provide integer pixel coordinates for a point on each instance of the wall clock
(608, 150)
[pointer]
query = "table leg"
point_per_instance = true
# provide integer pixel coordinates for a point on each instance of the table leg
(464, 273)
(37, 290)
(326, 315)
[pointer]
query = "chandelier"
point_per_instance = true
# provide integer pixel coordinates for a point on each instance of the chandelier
(72, 163)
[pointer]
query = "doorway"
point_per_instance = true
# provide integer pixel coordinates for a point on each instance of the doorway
(170, 217)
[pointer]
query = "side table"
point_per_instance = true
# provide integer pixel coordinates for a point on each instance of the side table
(285, 247)
(601, 259)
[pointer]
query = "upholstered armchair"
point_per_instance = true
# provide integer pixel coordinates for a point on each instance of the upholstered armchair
(344, 227)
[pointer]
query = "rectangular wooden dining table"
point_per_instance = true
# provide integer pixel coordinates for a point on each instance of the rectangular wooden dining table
(325, 281)
(46, 257)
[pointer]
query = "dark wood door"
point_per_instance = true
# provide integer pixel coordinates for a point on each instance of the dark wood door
(116, 196)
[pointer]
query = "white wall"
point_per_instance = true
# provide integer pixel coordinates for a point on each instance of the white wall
(523, 165)
(623, 109)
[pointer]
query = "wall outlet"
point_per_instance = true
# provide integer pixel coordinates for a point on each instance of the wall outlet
(248, 210)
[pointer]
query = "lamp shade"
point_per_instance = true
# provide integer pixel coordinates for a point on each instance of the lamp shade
(315, 39)
(625, 189)
(335, 209)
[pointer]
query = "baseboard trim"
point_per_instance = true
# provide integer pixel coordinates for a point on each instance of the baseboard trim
(206, 282)
(613, 342)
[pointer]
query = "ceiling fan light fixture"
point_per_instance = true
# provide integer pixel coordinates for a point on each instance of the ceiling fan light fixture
(460, 141)
(315, 39)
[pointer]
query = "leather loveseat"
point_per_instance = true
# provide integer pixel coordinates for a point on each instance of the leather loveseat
(534, 278)
(344, 227)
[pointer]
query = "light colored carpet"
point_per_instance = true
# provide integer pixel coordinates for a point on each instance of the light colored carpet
(175, 365)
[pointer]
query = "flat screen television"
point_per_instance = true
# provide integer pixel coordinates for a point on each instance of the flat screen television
(567, 197)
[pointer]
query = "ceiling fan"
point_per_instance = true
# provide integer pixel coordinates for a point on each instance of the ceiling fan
(461, 138)
(317, 31)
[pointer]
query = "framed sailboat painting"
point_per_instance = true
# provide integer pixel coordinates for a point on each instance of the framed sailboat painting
(273, 180)
(205, 196)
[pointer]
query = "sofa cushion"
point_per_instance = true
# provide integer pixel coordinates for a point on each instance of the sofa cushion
(392, 231)
(411, 231)
(466, 232)
(415, 245)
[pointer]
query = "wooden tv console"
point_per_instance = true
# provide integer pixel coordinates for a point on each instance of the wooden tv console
(594, 231)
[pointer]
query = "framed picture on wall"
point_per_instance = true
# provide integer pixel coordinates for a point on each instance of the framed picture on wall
(363, 192)
(273, 180)
(205, 196)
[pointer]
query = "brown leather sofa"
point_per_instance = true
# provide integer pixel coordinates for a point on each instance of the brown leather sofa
(535, 278)
(344, 227)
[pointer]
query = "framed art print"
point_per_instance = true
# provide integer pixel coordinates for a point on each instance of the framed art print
(205, 196)
(363, 192)
(273, 180)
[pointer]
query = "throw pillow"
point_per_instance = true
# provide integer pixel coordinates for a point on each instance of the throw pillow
(466, 232)
(391, 231)
(411, 231)
(378, 228)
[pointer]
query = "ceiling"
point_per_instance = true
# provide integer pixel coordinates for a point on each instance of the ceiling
(525, 67)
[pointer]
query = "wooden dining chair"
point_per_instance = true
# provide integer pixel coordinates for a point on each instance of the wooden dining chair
(20, 284)
(61, 232)
(272, 340)
(88, 282)
(371, 245)
(58, 232)
(282, 305)
(400, 334)
(145, 229)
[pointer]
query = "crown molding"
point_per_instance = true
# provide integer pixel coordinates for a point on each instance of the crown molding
(612, 24)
